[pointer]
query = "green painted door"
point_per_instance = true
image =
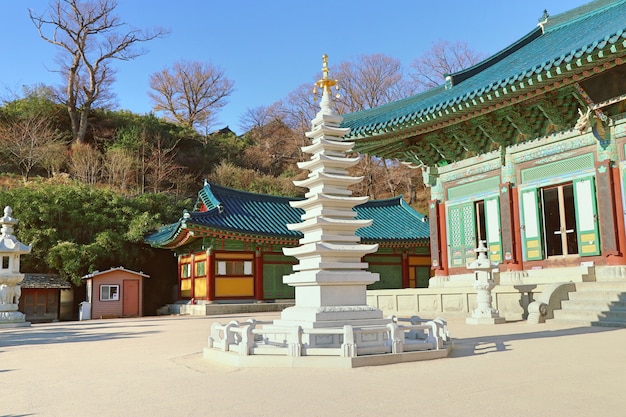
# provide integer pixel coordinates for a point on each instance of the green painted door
(273, 286)
(492, 225)
(390, 277)
(461, 234)
(586, 217)
(531, 230)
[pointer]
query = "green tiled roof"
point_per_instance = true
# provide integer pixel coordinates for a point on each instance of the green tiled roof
(568, 43)
(243, 213)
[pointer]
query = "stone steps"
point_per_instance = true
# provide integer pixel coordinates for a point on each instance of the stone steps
(594, 304)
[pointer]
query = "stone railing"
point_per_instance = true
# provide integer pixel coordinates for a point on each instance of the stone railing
(399, 335)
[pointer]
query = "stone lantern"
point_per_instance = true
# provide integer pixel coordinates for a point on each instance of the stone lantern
(10, 276)
(484, 313)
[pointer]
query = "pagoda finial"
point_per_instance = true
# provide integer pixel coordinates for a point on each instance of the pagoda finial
(325, 83)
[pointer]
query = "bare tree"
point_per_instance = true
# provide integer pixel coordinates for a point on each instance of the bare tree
(370, 81)
(119, 166)
(29, 142)
(443, 58)
(275, 149)
(257, 117)
(90, 36)
(85, 163)
(161, 169)
(190, 93)
(297, 109)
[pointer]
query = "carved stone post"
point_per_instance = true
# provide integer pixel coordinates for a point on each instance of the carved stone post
(10, 276)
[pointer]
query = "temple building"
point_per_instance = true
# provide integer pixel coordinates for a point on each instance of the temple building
(525, 150)
(230, 246)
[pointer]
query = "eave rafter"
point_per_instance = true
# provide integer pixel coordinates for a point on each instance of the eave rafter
(467, 137)
(544, 91)
(549, 106)
(519, 118)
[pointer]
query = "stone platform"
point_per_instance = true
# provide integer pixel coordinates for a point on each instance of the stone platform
(154, 367)
(224, 308)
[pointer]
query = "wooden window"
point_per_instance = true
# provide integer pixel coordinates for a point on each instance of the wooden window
(200, 268)
(234, 267)
(109, 292)
(185, 270)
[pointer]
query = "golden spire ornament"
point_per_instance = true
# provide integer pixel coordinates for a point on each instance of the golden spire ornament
(325, 83)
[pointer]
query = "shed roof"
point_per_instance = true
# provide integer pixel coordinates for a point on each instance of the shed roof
(45, 281)
(108, 271)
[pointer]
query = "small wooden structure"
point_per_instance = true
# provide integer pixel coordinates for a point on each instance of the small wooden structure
(117, 292)
(41, 299)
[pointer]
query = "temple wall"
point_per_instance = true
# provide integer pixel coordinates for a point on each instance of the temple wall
(511, 301)
(499, 197)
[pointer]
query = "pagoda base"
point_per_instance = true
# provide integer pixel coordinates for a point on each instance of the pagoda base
(331, 316)
(10, 319)
(331, 343)
(276, 361)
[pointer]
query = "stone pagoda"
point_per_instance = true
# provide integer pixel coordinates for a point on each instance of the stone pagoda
(330, 279)
(10, 277)
(330, 323)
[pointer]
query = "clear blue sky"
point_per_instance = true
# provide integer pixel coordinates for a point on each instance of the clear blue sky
(268, 48)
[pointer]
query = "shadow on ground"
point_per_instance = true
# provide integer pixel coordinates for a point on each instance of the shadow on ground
(483, 345)
(66, 334)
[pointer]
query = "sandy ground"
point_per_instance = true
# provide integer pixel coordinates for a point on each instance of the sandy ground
(154, 367)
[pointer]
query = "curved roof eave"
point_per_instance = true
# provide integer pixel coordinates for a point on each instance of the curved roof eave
(508, 72)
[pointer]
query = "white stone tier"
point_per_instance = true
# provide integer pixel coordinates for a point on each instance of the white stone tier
(323, 255)
(328, 201)
(339, 227)
(318, 182)
(338, 279)
(325, 145)
(311, 318)
(322, 162)
(327, 117)
(327, 132)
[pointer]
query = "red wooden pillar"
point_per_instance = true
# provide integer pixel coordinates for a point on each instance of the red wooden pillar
(210, 274)
(258, 274)
(180, 278)
(510, 231)
(517, 232)
(620, 257)
(438, 244)
(192, 276)
(405, 270)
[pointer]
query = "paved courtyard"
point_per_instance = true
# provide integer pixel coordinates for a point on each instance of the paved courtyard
(154, 367)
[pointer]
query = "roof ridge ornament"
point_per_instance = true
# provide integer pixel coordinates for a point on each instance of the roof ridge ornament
(543, 20)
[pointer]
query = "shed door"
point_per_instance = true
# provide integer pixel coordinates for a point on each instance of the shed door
(131, 297)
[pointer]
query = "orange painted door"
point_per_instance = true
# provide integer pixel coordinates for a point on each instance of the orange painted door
(131, 298)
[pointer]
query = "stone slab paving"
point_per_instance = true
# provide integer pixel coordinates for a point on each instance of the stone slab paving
(154, 367)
